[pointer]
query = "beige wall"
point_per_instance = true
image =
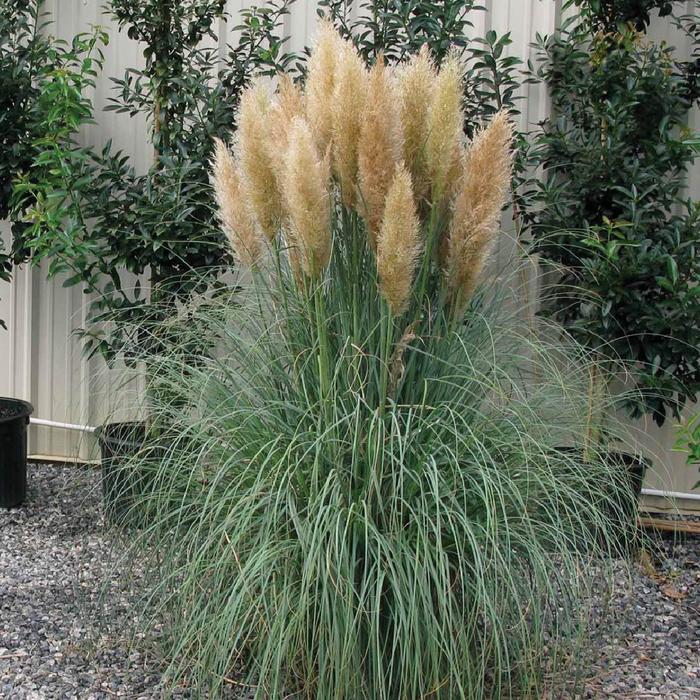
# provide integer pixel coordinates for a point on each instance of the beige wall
(39, 358)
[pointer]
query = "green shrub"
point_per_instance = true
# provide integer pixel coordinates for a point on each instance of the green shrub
(363, 492)
(23, 54)
(103, 218)
(442, 549)
(688, 441)
(43, 82)
(610, 15)
(612, 216)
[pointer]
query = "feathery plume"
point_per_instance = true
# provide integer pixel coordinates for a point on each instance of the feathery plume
(233, 212)
(289, 103)
(349, 98)
(416, 81)
(486, 174)
(399, 245)
(257, 168)
(307, 200)
(320, 83)
(444, 142)
(379, 147)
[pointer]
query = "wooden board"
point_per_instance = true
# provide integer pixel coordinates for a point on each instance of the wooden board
(665, 525)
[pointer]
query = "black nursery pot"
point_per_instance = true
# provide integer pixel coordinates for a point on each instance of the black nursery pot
(622, 514)
(14, 419)
(121, 485)
(635, 469)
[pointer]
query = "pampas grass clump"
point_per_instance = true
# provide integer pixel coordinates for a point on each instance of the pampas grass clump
(359, 494)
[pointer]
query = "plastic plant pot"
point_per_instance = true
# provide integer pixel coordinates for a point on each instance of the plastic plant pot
(635, 469)
(14, 418)
(623, 514)
(121, 484)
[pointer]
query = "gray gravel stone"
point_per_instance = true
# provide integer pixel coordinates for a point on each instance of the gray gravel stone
(55, 644)
(54, 561)
(646, 643)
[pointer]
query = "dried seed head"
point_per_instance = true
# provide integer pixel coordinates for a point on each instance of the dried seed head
(379, 147)
(320, 83)
(349, 99)
(399, 245)
(235, 216)
(257, 168)
(416, 81)
(289, 103)
(486, 174)
(307, 200)
(444, 142)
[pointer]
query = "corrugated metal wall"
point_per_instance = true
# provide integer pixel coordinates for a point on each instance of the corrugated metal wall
(41, 361)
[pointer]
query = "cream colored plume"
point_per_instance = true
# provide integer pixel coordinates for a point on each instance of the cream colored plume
(288, 104)
(258, 170)
(416, 81)
(307, 200)
(379, 149)
(486, 176)
(399, 245)
(233, 211)
(349, 98)
(444, 142)
(320, 83)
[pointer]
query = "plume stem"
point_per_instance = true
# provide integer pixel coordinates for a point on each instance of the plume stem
(323, 355)
(386, 344)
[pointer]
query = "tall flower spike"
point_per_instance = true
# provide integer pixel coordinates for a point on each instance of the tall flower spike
(444, 142)
(320, 83)
(307, 200)
(416, 80)
(349, 99)
(257, 168)
(399, 246)
(379, 147)
(487, 170)
(234, 214)
(289, 103)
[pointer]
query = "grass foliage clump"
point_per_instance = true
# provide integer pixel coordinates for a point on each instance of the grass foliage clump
(358, 493)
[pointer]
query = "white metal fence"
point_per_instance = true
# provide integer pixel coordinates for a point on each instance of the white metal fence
(41, 359)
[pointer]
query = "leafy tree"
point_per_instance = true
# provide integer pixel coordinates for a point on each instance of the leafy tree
(688, 441)
(610, 15)
(104, 217)
(33, 108)
(613, 217)
(19, 46)
(689, 24)
(22, 51)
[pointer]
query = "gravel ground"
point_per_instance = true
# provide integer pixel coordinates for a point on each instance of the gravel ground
(53, 563)
(54, 558)
(648, 644)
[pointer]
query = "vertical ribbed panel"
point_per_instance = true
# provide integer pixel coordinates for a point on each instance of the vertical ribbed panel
(40, 359)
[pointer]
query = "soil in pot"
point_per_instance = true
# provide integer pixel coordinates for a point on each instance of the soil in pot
(14, 419)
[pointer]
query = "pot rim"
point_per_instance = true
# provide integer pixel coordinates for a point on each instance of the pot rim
(27, 411)
(102, 434)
